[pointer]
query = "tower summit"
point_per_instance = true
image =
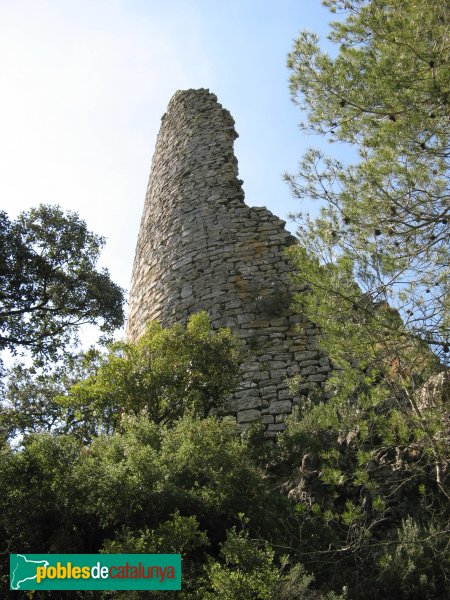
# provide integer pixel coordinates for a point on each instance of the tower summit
(200, 247)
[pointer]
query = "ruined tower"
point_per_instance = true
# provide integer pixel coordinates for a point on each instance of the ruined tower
(201, 248)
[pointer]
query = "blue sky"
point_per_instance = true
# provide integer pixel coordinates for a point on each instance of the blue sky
(84, 84)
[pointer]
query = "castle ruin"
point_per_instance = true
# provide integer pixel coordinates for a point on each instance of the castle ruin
(200, 247)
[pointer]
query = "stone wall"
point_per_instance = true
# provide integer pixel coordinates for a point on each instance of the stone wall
(201, 248)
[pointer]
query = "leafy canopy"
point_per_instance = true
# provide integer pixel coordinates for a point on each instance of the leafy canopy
(169, 372)
(49, 284)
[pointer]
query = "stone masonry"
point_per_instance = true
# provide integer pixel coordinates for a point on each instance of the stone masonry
(200, 247)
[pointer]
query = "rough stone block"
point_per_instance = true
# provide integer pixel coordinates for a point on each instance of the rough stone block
(317, 378)
(306, 355)
(247, 416)
(276, 427)
(280, 406)
(277, 364)
(307, 363)
(292, 370)
(308, 370)
(267, 419)
(247, 403)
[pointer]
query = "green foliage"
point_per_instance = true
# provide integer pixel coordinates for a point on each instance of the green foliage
(408, 566)
(136, 478)
(30, 402)
(153, 474)
(36, 498)
(386, 216)
(169, 488)
(369, 459)
(249, 571)
(353, 490)
(147, 472)
(351, 469)
(177, 535)
(167, 373)
(49, 284)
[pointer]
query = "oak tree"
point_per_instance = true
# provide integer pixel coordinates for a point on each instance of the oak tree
(49, 282)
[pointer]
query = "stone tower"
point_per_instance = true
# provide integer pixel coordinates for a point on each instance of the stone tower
(201, 248)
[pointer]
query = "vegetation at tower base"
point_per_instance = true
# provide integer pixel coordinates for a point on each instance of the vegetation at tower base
(166, 374)
(146, 483)
(49, 285)
(342, 500)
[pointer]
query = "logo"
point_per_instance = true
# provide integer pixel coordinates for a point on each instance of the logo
(95, 571)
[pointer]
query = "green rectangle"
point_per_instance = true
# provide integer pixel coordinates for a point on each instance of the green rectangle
(95, 571)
